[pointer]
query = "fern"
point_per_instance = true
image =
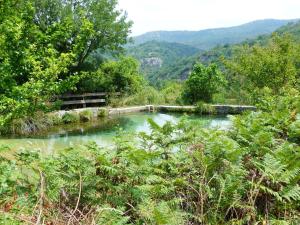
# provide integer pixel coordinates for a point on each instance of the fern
(291, 193)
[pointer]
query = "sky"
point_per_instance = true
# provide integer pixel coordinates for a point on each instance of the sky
(153, 15)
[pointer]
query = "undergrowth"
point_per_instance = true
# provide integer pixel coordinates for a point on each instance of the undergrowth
(177, 174)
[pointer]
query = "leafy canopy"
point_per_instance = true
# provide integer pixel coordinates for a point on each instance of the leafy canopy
(113, 76)
(203, 83)
(44, 45)
(274, 66)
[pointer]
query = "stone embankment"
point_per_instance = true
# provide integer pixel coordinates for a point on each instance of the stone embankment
(207, 109)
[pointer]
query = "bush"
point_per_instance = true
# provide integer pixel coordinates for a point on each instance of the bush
(148, 95)
(202, 84)
(102, 113)
(55, 119)
(70, 118)
(169, 94)
(273, 66)
(172, 93)
(203, 108)
(86, 116)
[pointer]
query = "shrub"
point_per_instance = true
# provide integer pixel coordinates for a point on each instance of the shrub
(86, 116)
(273, 66)
(203, 108)
(102, 113)
(148, 95)
(70, 118)
(202, 83)
(55, 119)
(172, 93)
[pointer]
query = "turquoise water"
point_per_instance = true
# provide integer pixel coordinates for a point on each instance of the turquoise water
(103, 132)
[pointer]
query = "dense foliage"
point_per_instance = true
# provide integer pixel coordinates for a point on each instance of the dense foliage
(121, 75)
(45, 45)
(203, 83)
(274, 66)
(177, 174)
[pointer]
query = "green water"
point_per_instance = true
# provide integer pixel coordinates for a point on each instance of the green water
(103, 132)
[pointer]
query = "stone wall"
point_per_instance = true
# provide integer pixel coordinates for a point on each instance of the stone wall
(211, 109)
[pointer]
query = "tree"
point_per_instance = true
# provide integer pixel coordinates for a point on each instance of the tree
(34, 30)
(274, 66)
(120, 75)
(123, 75)
(44, 44)
(203, 83)
(82, 26)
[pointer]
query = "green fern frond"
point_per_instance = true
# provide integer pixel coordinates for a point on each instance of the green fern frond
(291, 193)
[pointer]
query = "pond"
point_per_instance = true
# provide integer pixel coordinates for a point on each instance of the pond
(103, 131)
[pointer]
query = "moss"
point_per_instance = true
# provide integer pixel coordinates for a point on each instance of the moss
(85, 116)
(102, 113)
(70, 118)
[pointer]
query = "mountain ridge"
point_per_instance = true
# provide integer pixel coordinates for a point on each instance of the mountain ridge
(209, 38)
(179, 65)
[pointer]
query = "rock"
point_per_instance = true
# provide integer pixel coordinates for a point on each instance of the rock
(152, 61)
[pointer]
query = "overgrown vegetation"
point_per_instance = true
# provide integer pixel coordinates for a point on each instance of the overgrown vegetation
(275, 67)
(203, 83)
(47, 46)
(178, 174)
(169, 93)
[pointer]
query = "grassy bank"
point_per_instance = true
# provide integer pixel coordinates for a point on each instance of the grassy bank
(41, 121)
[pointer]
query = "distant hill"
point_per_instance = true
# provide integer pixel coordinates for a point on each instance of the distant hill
(207, 39)
(157, 56)
(213, 55)
(168, 61)
(291, 28)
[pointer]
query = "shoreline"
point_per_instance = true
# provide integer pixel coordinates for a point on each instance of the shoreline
(209, 109)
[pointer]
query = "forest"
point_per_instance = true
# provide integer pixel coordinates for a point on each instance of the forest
(178, 173)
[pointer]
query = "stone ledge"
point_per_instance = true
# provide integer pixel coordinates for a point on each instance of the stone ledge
(215, 109)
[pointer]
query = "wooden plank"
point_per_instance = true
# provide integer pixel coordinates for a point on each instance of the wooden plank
(83, 95)
(87, 101)
(98, 94)
(77, 102)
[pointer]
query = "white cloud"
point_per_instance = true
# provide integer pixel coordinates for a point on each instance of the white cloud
(150, 15)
